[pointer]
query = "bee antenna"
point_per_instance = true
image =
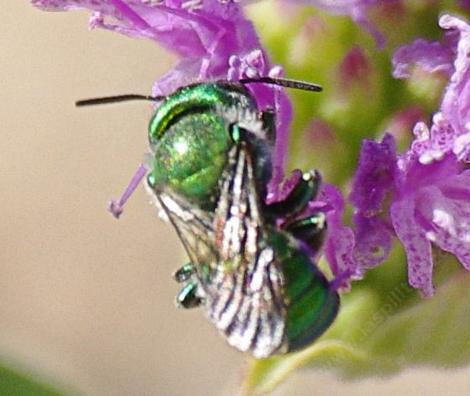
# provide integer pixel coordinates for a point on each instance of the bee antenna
(116, 99)
(283, 82)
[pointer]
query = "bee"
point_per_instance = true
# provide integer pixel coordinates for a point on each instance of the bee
(249, 263)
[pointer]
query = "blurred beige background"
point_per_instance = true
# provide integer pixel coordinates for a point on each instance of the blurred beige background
(87, 300)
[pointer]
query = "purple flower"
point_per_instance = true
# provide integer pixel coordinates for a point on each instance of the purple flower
(215, 41)
(351, 251)
(450, 130)
(423, 195)
(431, 205)
(422, 204)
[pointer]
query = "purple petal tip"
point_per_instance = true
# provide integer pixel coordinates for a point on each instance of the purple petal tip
(115, 208)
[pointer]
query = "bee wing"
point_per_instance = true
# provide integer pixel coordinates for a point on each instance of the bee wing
(245, 296)
(194, 228)
(238, 223)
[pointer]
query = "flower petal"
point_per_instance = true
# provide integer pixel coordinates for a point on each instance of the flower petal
(190, 28)
(455, 105)
(287, 186)
(176, 27)
(374, 176)
(447, 211)
(433, 145)
(373, 241)
(417, 246)
(429, 56)
(416, 175)
(373, 180)
(451, 125)
(340, 240)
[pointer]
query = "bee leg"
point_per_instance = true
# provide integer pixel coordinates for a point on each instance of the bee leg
(304, 191)
(310, 229)
(184, 273)
(187, 297)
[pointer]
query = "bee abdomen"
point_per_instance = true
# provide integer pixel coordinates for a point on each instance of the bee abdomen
(311, 303)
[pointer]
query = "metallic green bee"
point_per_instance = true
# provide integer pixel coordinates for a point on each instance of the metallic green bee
(211, 150)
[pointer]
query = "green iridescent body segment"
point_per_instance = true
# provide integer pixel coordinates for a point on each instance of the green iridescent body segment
(191, 140)
(176, 164)
(311, 305)
(193, 98)
(211, 165)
